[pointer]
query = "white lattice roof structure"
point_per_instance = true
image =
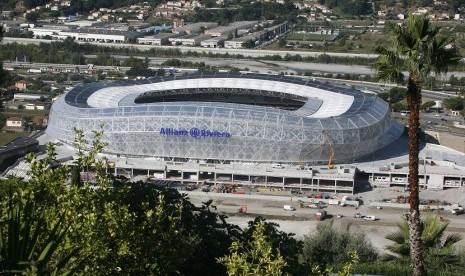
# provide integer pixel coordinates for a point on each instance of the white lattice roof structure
(226, 116)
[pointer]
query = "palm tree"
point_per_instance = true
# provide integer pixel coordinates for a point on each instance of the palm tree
(27, 245)
(437, 250)
(419, 49)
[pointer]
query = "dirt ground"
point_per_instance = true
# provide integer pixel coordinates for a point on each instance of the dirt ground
(452, 141)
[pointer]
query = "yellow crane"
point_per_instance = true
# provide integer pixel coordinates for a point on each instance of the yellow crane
(331, 155)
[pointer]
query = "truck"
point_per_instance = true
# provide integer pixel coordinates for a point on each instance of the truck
(320, 215)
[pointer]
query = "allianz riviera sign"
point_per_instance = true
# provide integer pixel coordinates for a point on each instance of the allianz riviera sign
(194, 132)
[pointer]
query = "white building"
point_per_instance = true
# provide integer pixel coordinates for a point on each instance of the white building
(15, 122)
(100, 35)
(214, 42)
(49, 30)
(27, 96)
(189, 40)
(237, 42)
(194, 27)
(158, 39)
(231, 28)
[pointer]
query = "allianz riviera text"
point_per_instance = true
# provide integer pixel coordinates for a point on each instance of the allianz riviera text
(194, 132)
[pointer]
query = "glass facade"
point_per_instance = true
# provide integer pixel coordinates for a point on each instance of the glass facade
(347, 122)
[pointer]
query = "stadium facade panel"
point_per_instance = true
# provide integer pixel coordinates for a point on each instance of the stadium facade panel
(227, 117)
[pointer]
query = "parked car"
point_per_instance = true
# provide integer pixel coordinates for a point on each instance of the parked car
(371, 218)
(278, 166)
(358, 215)
(339, 215)
(288, 208)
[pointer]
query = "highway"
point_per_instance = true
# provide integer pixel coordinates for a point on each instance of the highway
(185, 49)
(271, 66)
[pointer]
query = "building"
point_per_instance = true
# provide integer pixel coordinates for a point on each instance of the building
(214, 42)
(227, 117)
(41, 120)
(15, 122)
(231, 29)
(455, 113)
(11, 152)
(100, 35)
(189, 40)
(194, 27)
(87, 34)
(36, 106)
(237, 43)
(227, 128)
(21, 85)
(50, 30)
(29, 96)
(158, 39)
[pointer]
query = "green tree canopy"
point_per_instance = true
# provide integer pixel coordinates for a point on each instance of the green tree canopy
(454, 103)
(256, 257)
(327, 247)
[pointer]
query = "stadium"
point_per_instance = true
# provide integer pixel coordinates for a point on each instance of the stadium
(227, 117)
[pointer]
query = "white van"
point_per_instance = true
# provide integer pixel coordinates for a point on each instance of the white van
(372, 218)
(288, 208)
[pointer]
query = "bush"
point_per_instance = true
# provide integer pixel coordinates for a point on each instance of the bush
(327, 246)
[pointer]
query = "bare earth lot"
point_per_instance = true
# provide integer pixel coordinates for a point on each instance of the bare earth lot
(301, 221)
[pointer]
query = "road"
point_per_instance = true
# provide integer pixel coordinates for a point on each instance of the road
(185, 49)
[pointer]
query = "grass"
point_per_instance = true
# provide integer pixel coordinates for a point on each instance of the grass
(6, 137)
(310, 37)
(6, 113)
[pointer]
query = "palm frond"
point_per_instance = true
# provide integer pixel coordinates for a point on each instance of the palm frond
(397, 237)
(433, 231)
(387, 65)
(452, 240)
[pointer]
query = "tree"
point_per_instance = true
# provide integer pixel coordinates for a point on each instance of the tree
(288, 247)
(397, 94)
(439, 252)
(109, 226)
(256, 257)
(397, 107)
(327, 247)
(453, 103)
(420, 49)
(3, 73)
(27, 245)
(32, 17)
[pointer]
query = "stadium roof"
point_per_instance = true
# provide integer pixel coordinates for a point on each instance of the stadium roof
(323, 100)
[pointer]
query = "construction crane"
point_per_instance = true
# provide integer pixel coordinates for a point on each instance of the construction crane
(330, 142)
